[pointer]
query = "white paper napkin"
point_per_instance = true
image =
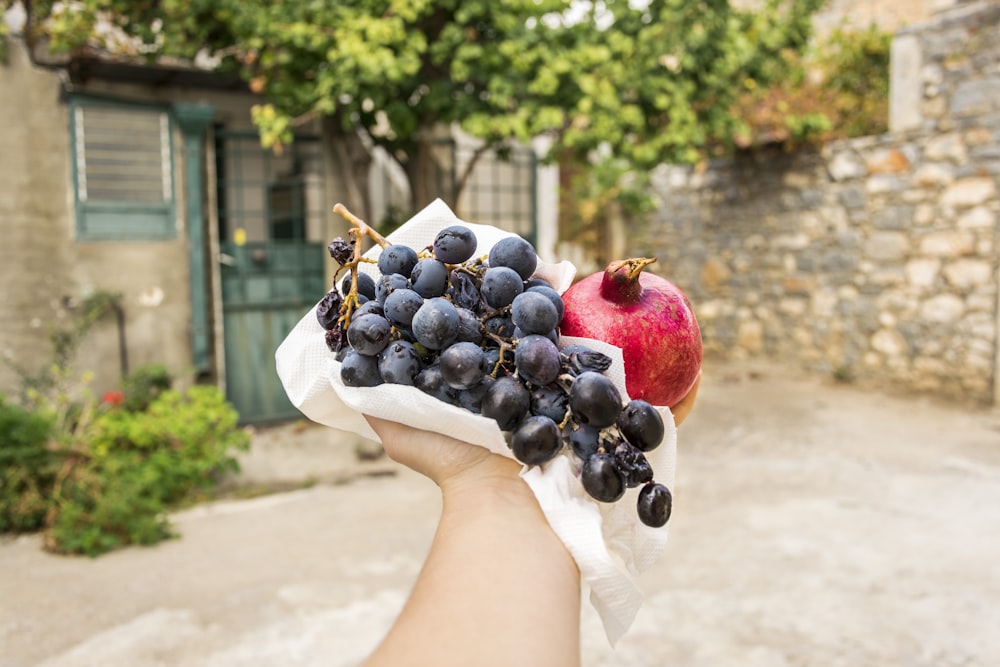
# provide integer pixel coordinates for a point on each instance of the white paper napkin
(608, 542)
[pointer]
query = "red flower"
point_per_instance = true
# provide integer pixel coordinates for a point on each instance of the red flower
(113, 398)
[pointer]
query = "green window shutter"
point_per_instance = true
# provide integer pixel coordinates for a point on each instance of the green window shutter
(123, 166)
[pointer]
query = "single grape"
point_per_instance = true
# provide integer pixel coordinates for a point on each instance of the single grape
(387, 284)
(399, 363)
(401, 305)
(535, 440)
(462, 365)
(585, 440)
(602, 479)
(366, 285)
(534, 313)
(360, 370)
(500, 286)
(633, 464)
(397, 258)
(654, 505)
(515, 253)
(537, 360)
(594, 400)
(341, 250)
(328, 309)
(641, 425)
(429, 278)
(435, 324)
(369, 334)
(430, 382)
(580, 358)
(552, 296)
(463, 292)
(500, 325)
(468, 326)
(335, 339)
(550, 401)
(455, 244)
(507, 402)
(372, 307)
(472, 398)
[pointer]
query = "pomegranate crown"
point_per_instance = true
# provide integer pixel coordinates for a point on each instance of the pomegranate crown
(621, 279)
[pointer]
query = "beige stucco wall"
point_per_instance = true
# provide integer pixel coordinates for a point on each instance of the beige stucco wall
(44, 270)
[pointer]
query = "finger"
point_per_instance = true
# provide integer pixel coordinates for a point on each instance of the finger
(686, 405)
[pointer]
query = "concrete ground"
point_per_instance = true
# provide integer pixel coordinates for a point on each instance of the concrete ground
(814, 524)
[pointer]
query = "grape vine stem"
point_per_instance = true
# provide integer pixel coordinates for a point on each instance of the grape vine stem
(361, 229)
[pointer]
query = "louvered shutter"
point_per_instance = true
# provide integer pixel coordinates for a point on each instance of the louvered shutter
(124, 173)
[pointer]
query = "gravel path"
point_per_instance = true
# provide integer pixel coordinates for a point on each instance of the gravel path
(814, 524)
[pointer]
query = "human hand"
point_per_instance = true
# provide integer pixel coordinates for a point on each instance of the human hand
(448, 462)
(686, 405)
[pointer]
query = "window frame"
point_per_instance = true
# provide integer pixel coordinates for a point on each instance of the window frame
(102, 220)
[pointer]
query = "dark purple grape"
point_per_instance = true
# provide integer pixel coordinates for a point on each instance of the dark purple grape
(654, 505)
(462, 365)
(386, 285)
(341, 250)
(436, 324)
(500, 286)
(399, 363)
(397, 258)
(602, 479)
(469, 330)
(328, 309)
(369, 334)
(335, 339)
(594, 400)
(552, 296)
(580, 359)
(535, 440)
(552, 335)
(641, 425)
(585, 440)
(463, 291)
(534, 313)
(507, 402)
(366, 285)
(472, 398)
(537, 360)
(633, 464)
(515, 253)
(372, 307)
(430, 382)
(455, 244)
(360, 370)
(401, 305)
(500, 325)
(550, 401)
(429, 278)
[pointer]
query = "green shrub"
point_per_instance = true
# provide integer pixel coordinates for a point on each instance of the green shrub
(143, 385)
(134, 466)
(27, 468)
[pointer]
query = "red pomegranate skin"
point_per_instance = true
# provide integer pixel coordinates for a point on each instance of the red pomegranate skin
(646, 316)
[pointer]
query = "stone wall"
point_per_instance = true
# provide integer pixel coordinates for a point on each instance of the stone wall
(874, 259)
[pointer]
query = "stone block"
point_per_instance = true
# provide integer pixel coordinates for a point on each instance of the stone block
(933, 175)
(942, 308)
(845, 166)
(889, 343)
(887, 246)
(966, 273)
(974, 97)
(905, 84)
(946, 147)
(893, 217)
(978, 217)
(969, 191)
(853, 197)
(750, 335)
(714, 274)
(887, 161)
(923, 272)
(947, 244)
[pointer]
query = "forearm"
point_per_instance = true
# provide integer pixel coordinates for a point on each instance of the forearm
(498, 587)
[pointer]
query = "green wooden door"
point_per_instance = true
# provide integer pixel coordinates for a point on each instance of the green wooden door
(271, 273)
(266, 288)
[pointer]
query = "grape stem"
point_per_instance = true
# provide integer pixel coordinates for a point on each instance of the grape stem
(361, 229)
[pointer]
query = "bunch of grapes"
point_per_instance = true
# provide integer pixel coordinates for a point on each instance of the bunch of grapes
(481, 333)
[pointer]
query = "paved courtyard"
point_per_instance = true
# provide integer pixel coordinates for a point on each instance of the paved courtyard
(814, 524)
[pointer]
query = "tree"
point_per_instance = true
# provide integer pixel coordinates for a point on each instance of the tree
(642, 83)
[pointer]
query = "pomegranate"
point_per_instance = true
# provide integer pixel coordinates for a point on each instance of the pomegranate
(646, 316)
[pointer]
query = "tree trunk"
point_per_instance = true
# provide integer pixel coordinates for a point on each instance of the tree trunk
(349, 165)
